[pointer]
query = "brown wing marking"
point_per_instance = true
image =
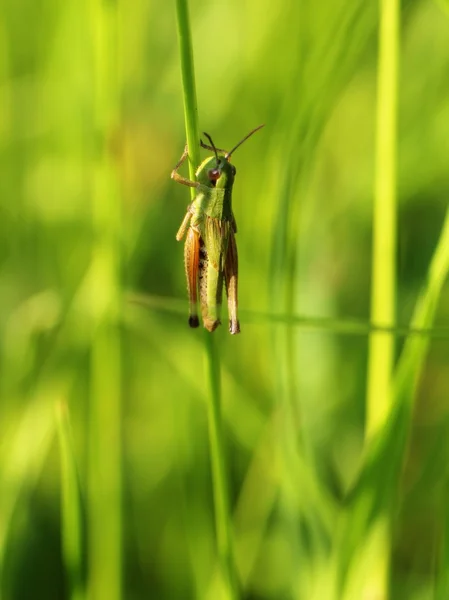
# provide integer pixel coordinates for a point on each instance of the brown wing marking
(191, 259)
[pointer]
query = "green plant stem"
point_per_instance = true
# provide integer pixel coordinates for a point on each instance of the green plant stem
(189, 88)
(373, 495)
(410, 367)
(105, 444)
(411, 363)
(383, 293)
(70, 506)
(212, 358)
(219, 470)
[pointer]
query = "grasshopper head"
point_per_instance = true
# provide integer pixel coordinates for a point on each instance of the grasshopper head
(216, 171)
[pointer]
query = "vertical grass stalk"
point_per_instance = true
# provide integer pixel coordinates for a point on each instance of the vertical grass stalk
(189, 88)
(383, 292)
(105, 456)
(373, 495)
(71, 519)
(212, 359)
(219, 468)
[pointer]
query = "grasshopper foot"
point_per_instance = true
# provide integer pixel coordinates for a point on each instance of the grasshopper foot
(193, 321)
(234, 327)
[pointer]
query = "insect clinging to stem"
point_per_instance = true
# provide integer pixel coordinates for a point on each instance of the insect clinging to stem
(210, 251)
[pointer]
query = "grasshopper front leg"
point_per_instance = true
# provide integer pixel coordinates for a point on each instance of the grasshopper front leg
(191, 248)
(231, 281)
(184, 225)
(179, 178)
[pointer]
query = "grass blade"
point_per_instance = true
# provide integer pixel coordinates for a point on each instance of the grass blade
(189, 88)
(383, 292)
(71, 512)
(212, 358)
(373, 496)
(105, 452)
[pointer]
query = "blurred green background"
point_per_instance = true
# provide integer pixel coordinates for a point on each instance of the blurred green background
(72, 155)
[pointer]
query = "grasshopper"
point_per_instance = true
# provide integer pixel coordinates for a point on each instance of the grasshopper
(210, 251)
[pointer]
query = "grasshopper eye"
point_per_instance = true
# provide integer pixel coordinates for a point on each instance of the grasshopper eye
(214, 174)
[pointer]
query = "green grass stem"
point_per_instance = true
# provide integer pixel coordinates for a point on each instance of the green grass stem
(373, 496)
(219, 467)
(22, 457)
(383, 287)
(105, 454)
(71, 513)
(212, 357)
(189, 87)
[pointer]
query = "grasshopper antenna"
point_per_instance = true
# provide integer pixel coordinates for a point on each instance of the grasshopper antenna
(213, 146)
(228, 155)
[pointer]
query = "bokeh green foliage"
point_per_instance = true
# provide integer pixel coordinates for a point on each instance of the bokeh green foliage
(303, 203)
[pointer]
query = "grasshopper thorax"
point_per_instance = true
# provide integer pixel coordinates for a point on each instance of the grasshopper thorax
(216, 172)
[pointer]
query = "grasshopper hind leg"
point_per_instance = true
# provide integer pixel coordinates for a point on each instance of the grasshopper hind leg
(191, 257)
(194, 321)
(231, 281)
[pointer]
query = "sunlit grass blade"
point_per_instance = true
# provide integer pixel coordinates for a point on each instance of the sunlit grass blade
(189, 88)
(414, 353)
(105, 540)
(337, 326)
(373, 496)
(71, 511)
(22, 459)
(383, 286)
(291, 254)
(268, 472)
(383, 280)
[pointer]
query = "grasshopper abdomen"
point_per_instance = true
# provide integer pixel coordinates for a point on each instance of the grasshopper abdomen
(210, 283)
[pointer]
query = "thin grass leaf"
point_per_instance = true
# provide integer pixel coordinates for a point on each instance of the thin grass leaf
(373, 496)
(383, 287)
(71, 512)
(344, 326)
(383, 284)
(22, 460)
(189, 88)
(105, 410)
